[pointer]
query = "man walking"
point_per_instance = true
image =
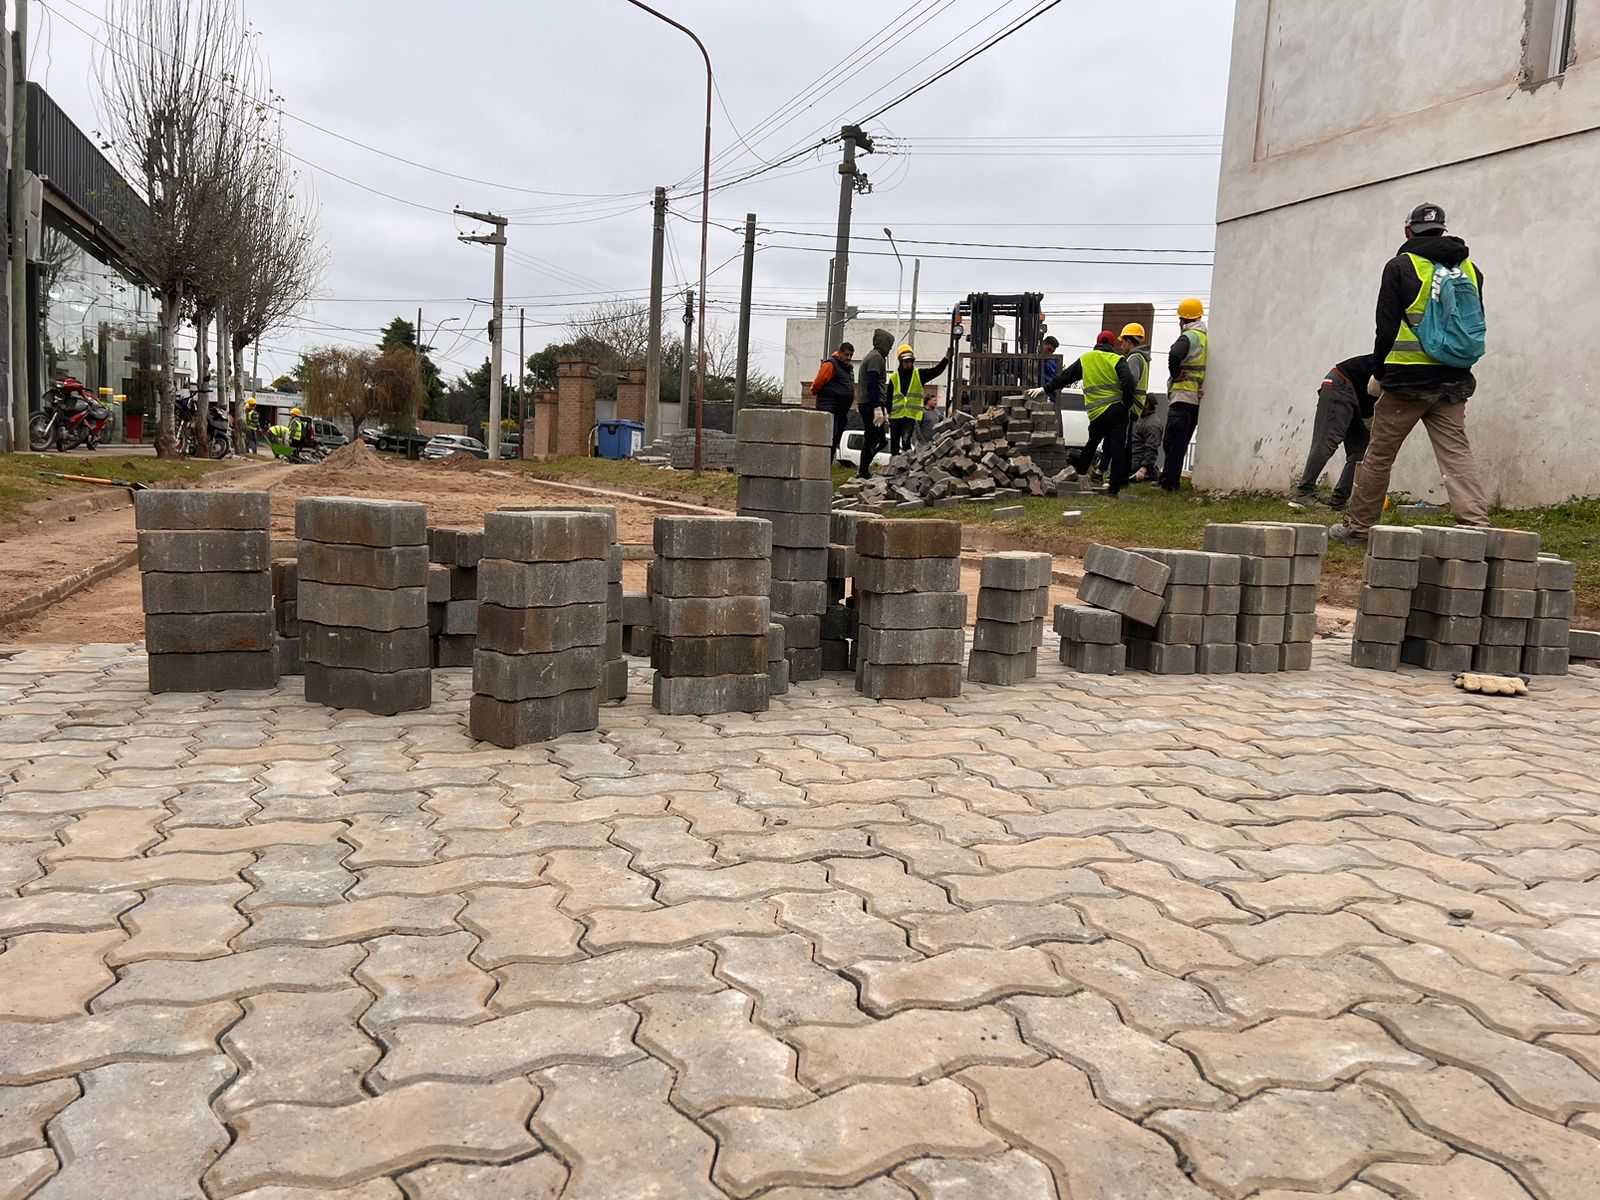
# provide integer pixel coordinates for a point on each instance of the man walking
(870, 400)
(1343, 410)
(907, 398)
(1186, 387)
(1415, 385)
(835, 390)
(1109, 391)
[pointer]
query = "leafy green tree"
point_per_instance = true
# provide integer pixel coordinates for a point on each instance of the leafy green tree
(285, 383)
(401, 332)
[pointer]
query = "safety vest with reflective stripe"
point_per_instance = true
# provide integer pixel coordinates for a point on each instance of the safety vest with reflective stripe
(1192, 375)
(1407, 350)
(910, 402)
(1141, 389)
(1101, 387)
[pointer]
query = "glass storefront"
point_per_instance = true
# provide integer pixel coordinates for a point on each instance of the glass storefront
(96, 324)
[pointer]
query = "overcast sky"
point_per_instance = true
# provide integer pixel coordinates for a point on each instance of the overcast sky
(569, 112)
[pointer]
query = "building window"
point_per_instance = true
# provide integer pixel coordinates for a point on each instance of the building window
(1547, 43)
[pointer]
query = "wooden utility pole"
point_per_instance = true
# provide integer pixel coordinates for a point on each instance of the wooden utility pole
(522, 371)
(19, 232)
(850, 180)
(652, 359)
(741, 370)
(497, 239)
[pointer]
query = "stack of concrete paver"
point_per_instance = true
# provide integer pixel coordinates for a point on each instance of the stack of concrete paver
(614, 684)
(785, 462)
(717, 450)
(1389, 577)
(286, 614)
(205, 562)
(1300, 625)
(710, 585)
(363, 600)
(1552, 642)
(1091, 639)
(453, 594)
(1510, 600)
(638, 624)
(1124, 582)
(1005, 644)
(1266, 574)
(536, 673)
(839, 619)
(1446, 620)
(912, 614)
(777, 664)
(1197, 630)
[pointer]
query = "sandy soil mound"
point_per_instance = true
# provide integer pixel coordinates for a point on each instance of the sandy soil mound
(357, 456)
(458, 461)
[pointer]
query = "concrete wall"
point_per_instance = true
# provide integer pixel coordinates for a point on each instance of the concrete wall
(1322, 159)
(802, 347)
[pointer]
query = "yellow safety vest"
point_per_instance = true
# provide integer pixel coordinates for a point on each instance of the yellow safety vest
(1142, 388)
(907, 404)
(1192, 375)
(1407, 350)
(1101, 387)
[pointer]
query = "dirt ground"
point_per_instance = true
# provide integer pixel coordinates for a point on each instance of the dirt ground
(50, 547)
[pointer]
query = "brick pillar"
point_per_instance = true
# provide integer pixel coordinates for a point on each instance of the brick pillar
(574, 405)
(630, 394)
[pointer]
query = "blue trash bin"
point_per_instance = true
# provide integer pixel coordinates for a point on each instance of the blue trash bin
(618, 439)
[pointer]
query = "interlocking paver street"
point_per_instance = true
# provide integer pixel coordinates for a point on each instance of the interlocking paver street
(1327, 933)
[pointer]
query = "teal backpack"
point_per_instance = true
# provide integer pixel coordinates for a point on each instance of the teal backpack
(1453, 327)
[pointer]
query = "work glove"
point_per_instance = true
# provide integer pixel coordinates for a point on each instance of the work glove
(1035, 393)
(880, 417)
(1491, 685)
(1374, 388)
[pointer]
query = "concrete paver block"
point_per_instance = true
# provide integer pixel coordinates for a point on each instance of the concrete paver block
(178, 550)
(887, 575)
(206, 591)
(1375, 656)
(883, 539)
(1002, 637)
(796, 563)
(1516, 544)
(1139, 571)
(1005, 670)
(1081, 623)
(1555, 574)
(213, 672)
(928, 681)
(711, 617)
(366, 649)
(1448, 602)
(385, 693)
(367, 566)
(1394, 541)
(713, 537)
(807, 496)
(772, 461)
(707, 694)
(1015, 570)
(357, 521)
(1545, 660)
(1584, 643)
(185, 508)
(511, 723)
(806, 596)
(910, 647)
(203, 633)
(1384, 601)
(540, 630)
(1217, 658)
(535, 676)
(541, 585)
(690, 577)
(538, 536)
(1392, 572)
(719, 655)
(1095, 658)
(785, 425)
(1119, 597)
(803, 631)
(1453, 572)
(362, 607)
(1510, 602)
(1508, 573)
(1261, 541)
(922, 610)
(1445, 541)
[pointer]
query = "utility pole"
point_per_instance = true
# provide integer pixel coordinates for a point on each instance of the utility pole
(497, 239)
(19, 231)
(827, 322)
(850, 182)
(916, 271)
(652, 358)
(522, 372)
(741, 371)
(688, 338)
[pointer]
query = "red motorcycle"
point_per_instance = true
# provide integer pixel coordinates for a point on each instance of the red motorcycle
(72, 416)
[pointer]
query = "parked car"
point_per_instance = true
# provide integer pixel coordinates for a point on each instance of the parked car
(372, 437)
(511, 446)
(850, 450)
(329, 435)
(454, 443)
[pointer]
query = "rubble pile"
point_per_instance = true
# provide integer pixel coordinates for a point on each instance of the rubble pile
(1008, 450)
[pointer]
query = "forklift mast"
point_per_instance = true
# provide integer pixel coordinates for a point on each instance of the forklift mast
(982, 374)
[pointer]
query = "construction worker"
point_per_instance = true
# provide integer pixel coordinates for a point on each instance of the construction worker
(907, 400)
(871, 401)
(835, 390)
(1344, 410)
(1049, 366)
(1186, 387)
(1109, 388)
(1130, 344)
(300, 432)
(1411, 384)
(252, 426)
(1144, 443)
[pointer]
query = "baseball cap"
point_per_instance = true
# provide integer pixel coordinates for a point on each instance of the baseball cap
(1106, 338)
(1426, 218)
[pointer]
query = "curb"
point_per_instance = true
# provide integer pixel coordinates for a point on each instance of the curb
(59, 591)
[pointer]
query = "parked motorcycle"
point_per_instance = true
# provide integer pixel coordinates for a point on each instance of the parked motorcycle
(219, 432)
(71, 416)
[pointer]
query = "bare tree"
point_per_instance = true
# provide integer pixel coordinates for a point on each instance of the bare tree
(166, 78)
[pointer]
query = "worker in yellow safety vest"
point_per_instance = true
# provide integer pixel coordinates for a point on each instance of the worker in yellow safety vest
(1186, 387)
(907, 397)
(1110, 390)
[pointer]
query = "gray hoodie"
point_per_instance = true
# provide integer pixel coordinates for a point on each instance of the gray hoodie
(874, 370)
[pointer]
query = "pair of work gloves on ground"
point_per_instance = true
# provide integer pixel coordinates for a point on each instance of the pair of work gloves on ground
(1491, 685)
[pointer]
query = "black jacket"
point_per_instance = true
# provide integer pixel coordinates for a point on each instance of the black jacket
(1395, 294)
(874, 376)
(839, 392)
(1358, 372)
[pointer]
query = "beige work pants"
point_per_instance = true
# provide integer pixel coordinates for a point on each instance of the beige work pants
(1392, 419)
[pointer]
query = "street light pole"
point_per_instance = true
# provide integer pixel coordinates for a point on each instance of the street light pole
(705, 227)
(498, 240)
(900, 288)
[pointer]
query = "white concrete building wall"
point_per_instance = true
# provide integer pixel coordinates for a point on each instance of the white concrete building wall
(1341, 118)
(802, 347)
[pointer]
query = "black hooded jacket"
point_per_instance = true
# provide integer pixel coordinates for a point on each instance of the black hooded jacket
(1395, 294)
(874, 374)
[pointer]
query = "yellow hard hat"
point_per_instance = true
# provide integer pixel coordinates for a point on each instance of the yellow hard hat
(250, 403)
(295, 412)
(1133, 329)
(1190, 309)
(905, 350)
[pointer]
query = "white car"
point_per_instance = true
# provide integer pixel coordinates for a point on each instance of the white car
(454, 443)
(850, 451)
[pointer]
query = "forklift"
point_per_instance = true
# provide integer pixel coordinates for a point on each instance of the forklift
(982, 374)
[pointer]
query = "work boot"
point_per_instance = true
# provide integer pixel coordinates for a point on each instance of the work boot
(1307, 502)
(1343, 533)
